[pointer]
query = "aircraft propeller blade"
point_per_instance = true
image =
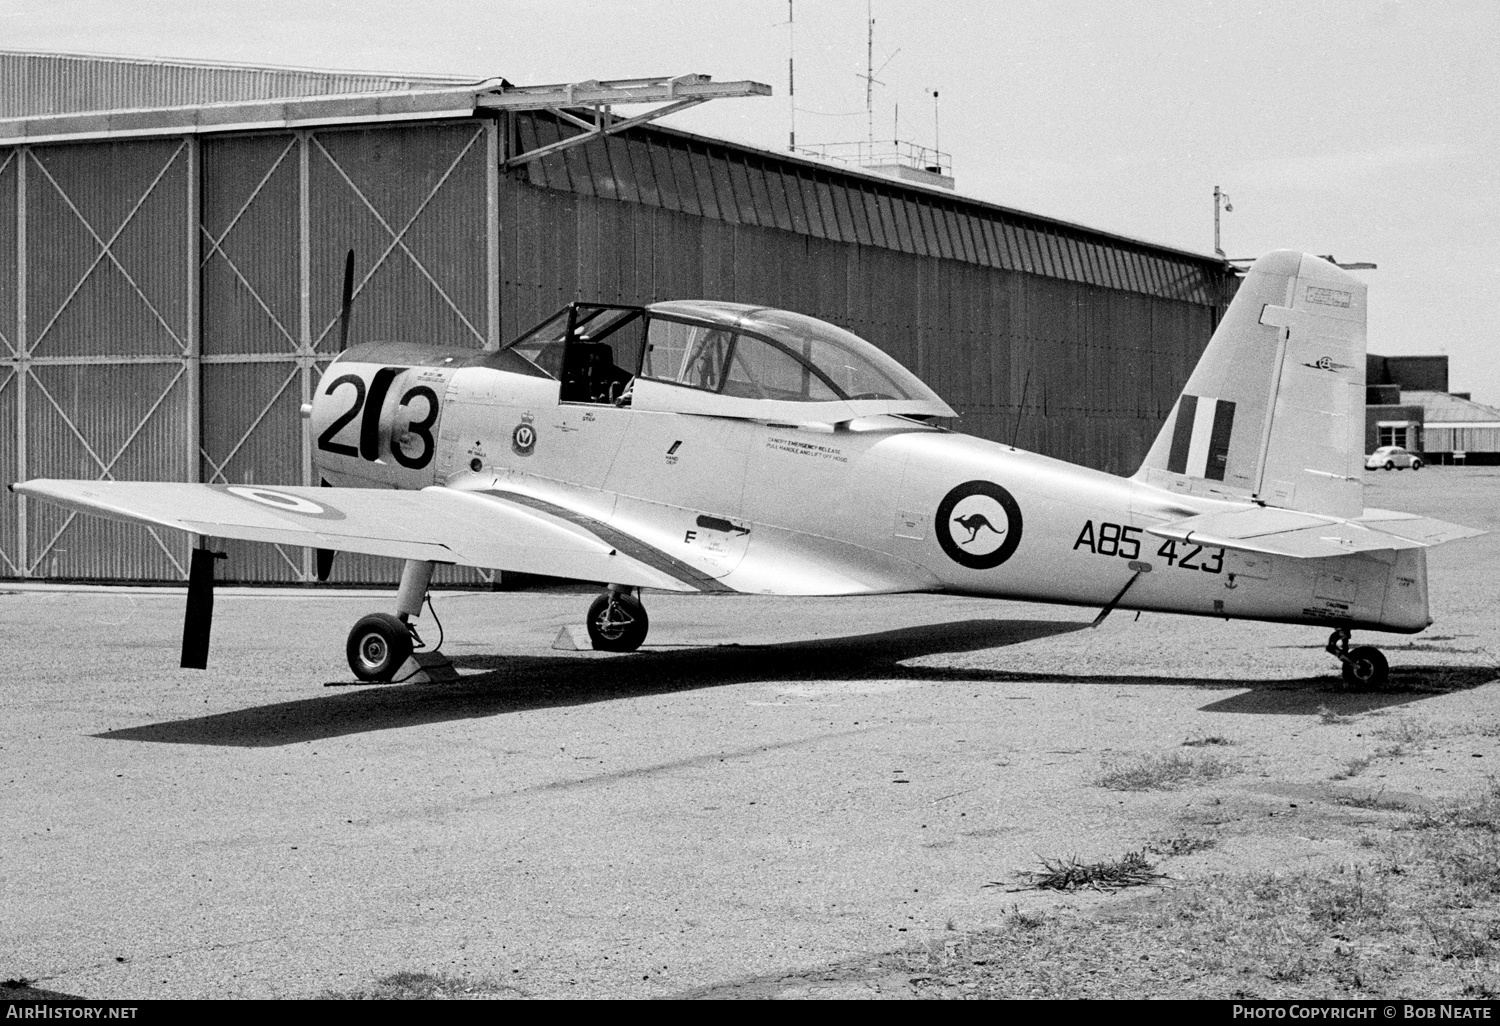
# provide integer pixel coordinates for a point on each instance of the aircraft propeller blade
(348, 301)
(325, 556)
(198, 621)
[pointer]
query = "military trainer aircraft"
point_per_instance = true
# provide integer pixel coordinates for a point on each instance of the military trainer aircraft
(719, 447)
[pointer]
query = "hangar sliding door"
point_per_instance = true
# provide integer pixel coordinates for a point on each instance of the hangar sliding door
(104, 325)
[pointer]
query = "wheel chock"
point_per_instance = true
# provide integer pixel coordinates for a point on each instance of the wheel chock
(565, 642)
(427, 668)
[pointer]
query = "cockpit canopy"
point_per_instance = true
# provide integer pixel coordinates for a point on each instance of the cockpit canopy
(725, 359)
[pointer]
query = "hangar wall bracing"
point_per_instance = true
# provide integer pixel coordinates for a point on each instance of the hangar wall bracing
(167, 304)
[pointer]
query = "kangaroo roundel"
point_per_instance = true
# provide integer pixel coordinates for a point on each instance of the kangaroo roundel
(978, 524)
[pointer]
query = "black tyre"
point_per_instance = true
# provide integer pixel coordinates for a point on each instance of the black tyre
(617, 623)
(1389, 465)
(1366, 669)
(378, 645)
(1416, 464)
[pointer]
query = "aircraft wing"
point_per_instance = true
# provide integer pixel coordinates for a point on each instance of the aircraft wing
(443, 525)
(1283, 532)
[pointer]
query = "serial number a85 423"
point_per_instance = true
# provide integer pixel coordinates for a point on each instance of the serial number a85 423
(1123, 541)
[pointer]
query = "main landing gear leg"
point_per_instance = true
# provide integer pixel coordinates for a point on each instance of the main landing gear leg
(1365, 668)
(381, 645)
(617, 621)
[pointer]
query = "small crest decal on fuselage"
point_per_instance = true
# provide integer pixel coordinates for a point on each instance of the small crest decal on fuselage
(523, 439)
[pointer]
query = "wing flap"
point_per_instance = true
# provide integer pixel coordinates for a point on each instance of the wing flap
(1282, 532)
(439, 524)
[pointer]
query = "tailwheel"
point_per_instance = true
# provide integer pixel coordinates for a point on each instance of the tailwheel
(617, 622)
(1365, 669)
(378, 645)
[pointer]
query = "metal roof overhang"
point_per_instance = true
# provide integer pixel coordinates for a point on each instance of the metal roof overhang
(406, 105)
(465, 101)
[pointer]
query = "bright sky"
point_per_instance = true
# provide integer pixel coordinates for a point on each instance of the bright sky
(1367, 130)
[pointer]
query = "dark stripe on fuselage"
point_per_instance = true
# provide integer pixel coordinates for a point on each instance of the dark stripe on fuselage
(1182, 434)
(631, 546)
(1218, 441)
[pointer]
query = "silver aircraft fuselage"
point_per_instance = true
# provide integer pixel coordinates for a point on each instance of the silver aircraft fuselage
(880, 503)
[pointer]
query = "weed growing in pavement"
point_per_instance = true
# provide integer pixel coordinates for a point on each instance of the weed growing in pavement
(407, 986)
(1023, 919)
(1365, 801)
(1204, 742)
(1460, 940)
(1161, 772)
(1480, 813)
(1073, 874)
(1182, 844)
(1349, 895)
(1328, 717)
(1353, 768)
(1406, 734)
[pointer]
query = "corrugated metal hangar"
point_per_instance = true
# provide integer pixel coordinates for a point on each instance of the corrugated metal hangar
(172, 238)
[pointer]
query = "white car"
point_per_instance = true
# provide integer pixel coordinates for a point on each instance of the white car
(1392, 457)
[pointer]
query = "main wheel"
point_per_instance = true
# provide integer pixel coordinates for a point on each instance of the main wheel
(617, 623)
(378, 645)
(1389, 465)
(1366, 669)
(1416, 464)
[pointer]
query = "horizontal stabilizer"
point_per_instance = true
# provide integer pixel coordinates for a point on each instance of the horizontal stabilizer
(1282, 532)
(1422, 530)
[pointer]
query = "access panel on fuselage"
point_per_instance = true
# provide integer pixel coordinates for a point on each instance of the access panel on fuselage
(814, 480)
(513, 424)
(684, 461)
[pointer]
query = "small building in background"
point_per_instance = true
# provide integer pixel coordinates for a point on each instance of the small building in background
(1407, 403)
(1457, 429)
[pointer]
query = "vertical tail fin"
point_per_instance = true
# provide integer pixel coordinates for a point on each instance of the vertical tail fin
(1274, 411)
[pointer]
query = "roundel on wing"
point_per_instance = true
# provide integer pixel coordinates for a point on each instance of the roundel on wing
(978, 524)
(285, 503)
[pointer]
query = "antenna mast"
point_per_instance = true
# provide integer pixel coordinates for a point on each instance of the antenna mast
(791, 79)
(870, 69)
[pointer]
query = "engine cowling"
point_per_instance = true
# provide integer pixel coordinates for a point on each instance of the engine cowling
(376, 414)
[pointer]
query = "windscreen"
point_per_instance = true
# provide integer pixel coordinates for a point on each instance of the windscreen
(618, 327)
(855, 367)
(543, 345)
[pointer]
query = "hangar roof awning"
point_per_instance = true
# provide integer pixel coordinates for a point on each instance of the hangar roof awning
(496, 94)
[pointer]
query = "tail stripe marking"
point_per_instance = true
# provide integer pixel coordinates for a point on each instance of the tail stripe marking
(1203, 427)
(1218, 442)
(1200, 438)
(1182, 434)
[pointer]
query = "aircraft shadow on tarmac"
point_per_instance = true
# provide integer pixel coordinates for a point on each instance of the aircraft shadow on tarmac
(518, 683)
